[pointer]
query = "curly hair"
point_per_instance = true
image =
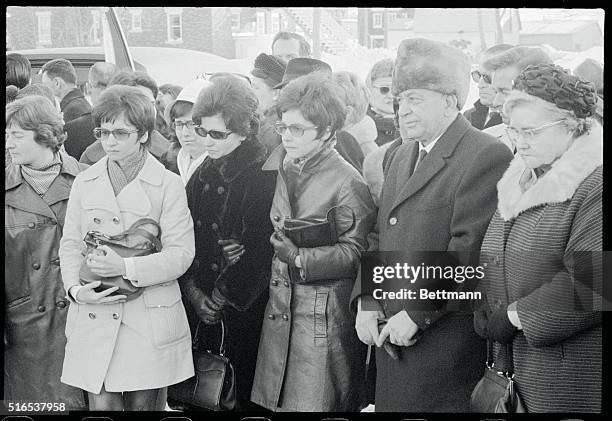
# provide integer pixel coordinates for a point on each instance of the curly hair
(356, 95)
(231, 98)
(37, 113)
(318, 98)
(128, 101)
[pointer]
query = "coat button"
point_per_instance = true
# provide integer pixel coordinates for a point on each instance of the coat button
(41, 309)
(116, 316)
(271, 316)
(92, 316)
(97, 220)
(285, 317)
(214, 267)
(214, 226)
(276, 218)
(206, 187)
(31, 225)
(286, 283)
(36, 266)
(115, 220)
(220, 190)
(393, 221)
(427, 321)
(274, 282)
(61, 304)
(198, 223)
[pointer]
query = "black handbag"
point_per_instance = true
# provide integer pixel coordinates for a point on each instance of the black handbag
(315, 232)
(496, 391)
(214, 385)
(133, 242)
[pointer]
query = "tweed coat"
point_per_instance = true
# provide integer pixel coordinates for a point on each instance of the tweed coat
(445, 205)
(94, 331)
(231, 198)
(532, 254)
(35, 303)
(310, 358)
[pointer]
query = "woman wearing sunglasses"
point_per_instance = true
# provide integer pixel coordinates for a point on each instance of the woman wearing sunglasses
(310, 358)
(378, 82)
(125, 353)
(230, 197)
(542, 250)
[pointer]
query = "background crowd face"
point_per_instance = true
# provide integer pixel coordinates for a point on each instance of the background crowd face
(162, 100)
(420, 113)
(265, 94)
(120, 149)
(56, 84)
(193, 143)
(485, 90)
(23, 149)
(222, 147)
(286, 49)
(501, 83)
(547, 144)
(298, 147)
(382, 101)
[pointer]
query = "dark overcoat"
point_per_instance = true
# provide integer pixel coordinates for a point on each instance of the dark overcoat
(477, 115)
(231, 198)
(542, 250)
(74, 105)
(445, 205)
(36, 304)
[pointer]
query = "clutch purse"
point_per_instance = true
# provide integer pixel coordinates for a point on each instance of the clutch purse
(496, 392)
(315, 232)
(214, 384)
(133, 242)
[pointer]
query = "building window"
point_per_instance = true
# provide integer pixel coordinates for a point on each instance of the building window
(136, 20)
(377, 20)
(391, 16)
(235, 21)
(175, 27)
(276, 22)
(44, 28)
(261, 23)
(377, 41)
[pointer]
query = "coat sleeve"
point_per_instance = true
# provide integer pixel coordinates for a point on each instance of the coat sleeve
(243, 282)
(71, 243)
(564, 307)
(178, 242)
(342, 259)
(475, 202)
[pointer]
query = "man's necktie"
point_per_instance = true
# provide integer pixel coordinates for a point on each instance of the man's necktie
(422, 155)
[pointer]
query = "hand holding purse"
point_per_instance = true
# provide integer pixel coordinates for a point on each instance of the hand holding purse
(315, 232)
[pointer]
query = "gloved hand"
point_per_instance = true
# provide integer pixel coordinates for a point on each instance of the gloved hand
(207, 310)
(481, 322)
(499, 328)
(284, 248)
(218, 298)
(232, 250)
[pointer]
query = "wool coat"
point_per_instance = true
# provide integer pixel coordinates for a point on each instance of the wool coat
(310, 358)
(36, 306)
(79, 135)
(231, 198)
(74, 105)
(95, 332)
(445, 205)
(542, 250)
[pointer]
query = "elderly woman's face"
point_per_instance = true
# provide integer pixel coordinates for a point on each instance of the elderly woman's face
(540, 137)
(120, 138)
(264, 93)
(193, 143)
(218, 148)
(22, 147)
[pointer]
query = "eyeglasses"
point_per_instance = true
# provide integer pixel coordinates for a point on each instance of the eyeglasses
(476, 76)
(119, 134)
(180, 125)
(295, 130)
(384, 90)
(528, 134)
(214, 134)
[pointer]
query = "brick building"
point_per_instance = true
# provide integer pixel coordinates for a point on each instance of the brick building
(194, 28)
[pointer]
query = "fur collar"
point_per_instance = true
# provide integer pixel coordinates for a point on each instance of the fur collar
(558, 184)
(249, 153)
(364, 130)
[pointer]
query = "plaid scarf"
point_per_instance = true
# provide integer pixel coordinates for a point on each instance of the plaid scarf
(41, 178)
(121, 175)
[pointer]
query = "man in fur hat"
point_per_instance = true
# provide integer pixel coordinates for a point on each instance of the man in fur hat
(439, 194)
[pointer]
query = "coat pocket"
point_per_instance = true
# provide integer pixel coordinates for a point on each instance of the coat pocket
(320, 318)
(165, 310)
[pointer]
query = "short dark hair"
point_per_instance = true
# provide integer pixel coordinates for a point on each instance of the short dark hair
(318, 98)
(305, 49)
(168, 88)
(128, 101)
(129, 78)
(233, 100)
(18, 70)
(37, 113)
(180, 108)
(37, 89)
(62, 68)
(519, 57)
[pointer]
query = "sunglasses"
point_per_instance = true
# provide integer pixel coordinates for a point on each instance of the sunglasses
(476, 76)
(295, 130)
(384, 90)
(120, 134)
(214, 134)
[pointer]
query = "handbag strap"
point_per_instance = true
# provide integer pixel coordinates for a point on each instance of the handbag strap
(509, 373)
(196, 340)
(333, 208)
(135, 229)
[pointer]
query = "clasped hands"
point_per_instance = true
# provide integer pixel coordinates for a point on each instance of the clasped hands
(399, 329)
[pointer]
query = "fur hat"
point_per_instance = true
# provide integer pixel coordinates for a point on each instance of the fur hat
(426, 64)
(269, 68)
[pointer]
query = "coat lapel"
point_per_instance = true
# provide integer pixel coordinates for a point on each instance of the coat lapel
(98, 192)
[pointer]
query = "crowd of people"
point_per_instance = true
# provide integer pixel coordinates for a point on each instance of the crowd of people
(221, 168)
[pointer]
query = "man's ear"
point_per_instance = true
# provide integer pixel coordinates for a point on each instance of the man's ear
(451, 104)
